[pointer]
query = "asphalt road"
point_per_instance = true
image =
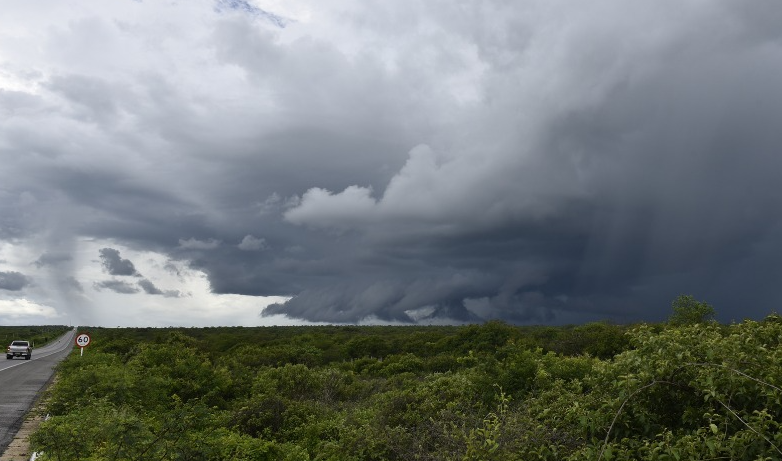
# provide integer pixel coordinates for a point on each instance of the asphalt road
(21, 381)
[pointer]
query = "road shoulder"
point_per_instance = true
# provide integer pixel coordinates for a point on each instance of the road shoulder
(19, 448)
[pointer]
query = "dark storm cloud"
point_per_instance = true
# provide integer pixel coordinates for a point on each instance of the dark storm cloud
(151, 289)
(647, 174)
(117, 286)
(114, 264)
(13, 281)
(533, 162)
(663, 182)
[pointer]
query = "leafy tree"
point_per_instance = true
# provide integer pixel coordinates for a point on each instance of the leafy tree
(688, 311)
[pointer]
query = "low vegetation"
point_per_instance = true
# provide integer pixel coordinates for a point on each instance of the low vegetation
(37, 335)
(685, 390)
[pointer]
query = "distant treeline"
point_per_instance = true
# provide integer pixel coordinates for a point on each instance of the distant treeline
(321, 345)
(39, 335)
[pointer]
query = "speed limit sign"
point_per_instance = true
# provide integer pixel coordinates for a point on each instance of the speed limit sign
(83, 340)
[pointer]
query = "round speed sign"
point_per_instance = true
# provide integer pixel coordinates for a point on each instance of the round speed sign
(82, 340)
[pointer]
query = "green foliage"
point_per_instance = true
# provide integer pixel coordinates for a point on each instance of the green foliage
(38, 335)
(478, 392)
(688, 311)
(483, 442)
(699, 384)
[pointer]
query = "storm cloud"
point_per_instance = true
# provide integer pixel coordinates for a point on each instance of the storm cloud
(117, 286)
(114, 264)
(13, 281)
(536, 162)
(151, 289)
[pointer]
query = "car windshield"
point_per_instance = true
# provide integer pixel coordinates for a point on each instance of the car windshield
(19, 343)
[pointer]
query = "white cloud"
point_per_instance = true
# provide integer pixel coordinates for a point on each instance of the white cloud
(20, 311)
(434, 190)
(77, 293)
(252, 243)
(196, 305)
(322, 208)
(195, 244)
(297, 10)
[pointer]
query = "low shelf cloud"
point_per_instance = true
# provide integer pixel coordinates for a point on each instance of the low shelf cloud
(540, 162)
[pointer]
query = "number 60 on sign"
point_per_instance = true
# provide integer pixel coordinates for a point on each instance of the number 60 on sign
(82, 340)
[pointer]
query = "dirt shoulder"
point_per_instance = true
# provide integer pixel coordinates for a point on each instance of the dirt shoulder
(19, 448)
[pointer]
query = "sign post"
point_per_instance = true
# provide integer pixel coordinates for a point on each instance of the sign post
(82, 341)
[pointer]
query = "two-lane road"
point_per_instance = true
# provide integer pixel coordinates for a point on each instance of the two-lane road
(21, 381)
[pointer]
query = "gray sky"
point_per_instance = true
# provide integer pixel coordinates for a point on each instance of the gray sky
(231, 162)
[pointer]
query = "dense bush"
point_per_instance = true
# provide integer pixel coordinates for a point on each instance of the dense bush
(696, 390)
(37, 335)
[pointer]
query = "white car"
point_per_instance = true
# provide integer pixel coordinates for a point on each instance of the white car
(19, 349)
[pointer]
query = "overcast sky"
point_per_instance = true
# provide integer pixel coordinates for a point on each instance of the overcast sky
(258, 162)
